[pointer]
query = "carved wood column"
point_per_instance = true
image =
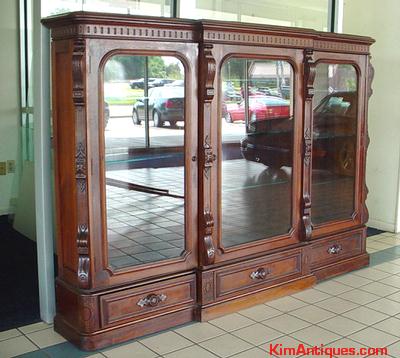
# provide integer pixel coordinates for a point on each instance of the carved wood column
(81, 166)
(309, 76)
(207, 154)
(365, 142)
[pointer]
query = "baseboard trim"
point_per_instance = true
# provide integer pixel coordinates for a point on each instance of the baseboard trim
(381, 225)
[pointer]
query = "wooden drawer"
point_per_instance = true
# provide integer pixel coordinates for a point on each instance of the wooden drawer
(336, 249)
(260, 272)
(137, 303)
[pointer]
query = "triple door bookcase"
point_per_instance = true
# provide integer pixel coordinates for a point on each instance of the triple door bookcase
(201, 167)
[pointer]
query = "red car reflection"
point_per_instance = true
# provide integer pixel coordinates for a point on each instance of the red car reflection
(261, 107)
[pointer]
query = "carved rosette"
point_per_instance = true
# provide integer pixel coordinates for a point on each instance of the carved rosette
(309, 77)
(83, 254)
(209, 157)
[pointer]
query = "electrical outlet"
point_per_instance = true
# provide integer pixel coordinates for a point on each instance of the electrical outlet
(10, 166)
(3, 168)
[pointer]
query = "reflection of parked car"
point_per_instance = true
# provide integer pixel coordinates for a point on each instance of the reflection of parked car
(151, 82)
(165, 104)
(176, 83)
(335, 120)
(106, 114)
(260, 107)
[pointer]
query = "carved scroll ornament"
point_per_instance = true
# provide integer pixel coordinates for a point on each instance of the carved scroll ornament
(309, 73)
(207, 241)
(210, 69)
(83, 254)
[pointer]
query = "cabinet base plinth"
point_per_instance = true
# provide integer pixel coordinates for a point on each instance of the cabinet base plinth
(119, 334)
(270, 293)
(341, 267)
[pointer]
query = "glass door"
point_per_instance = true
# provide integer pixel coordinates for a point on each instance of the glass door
(148, 184)
(257, 166)
(335, 143)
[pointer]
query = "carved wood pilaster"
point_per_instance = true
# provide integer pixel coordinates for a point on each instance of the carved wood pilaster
(309, 77)
(207, 157)
(81, 167)
(370, 78)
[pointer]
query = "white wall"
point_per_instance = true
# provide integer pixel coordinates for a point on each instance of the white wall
(9, 98)
(380, 20)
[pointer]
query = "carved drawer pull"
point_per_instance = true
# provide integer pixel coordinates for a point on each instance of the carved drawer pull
(334, 249)
(152, 300)
(259, 274)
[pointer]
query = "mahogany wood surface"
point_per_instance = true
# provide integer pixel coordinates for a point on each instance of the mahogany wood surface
(98, 305)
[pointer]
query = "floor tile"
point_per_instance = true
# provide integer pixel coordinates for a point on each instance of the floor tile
(166, 342)
(353, 280)
(390, 325)
(365, 315)
(379, 289)
(16, 346)
(190, 352)
(66, 350)
(252, 353)
(46, 337)
(384, 305)
(257, 334)
(392, 281)
(378, 245)
(346, 343)
(333, 287)
(226, 345)
(286, 304)
(286, 323)
(34, 327)
(315, 336)
(388, 267)
(394, 297)
(372, 337)
(342, 325)
(312, 295)
(125, 351)
(36, 354)
(312, 314)
(336, 305)
(371, 273)
(11, 333)
(199, 332)
(260, 312)
(278, 346)
(394, 349)
(359, 297)
(232, 322)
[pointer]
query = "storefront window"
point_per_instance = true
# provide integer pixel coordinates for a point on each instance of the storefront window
(305, 13)
(134, 7)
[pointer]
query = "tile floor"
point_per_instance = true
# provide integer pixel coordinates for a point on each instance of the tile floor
(358, 309)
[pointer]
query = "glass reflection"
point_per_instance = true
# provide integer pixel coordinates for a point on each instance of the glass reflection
(144, 98)
(257, 149)
(334, 142)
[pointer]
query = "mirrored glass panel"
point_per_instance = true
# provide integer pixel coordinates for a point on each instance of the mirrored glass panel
(144, 102)
(257, 149)
(334, 142)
